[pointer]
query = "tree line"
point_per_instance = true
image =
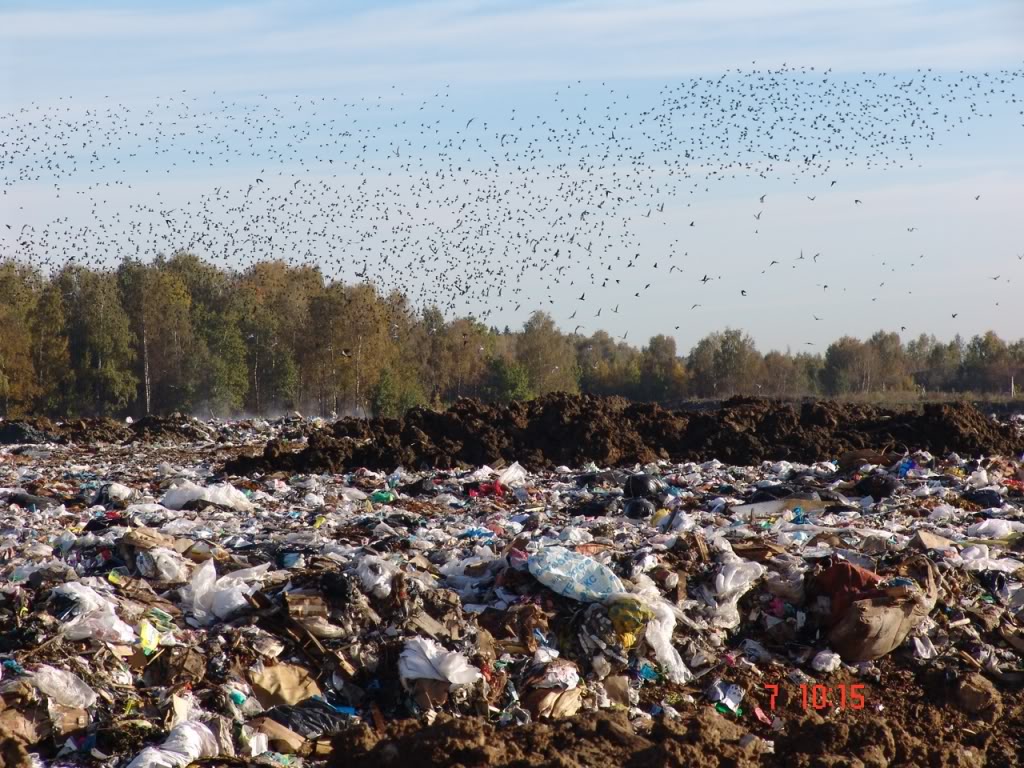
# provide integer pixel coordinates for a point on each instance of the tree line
(180, 334)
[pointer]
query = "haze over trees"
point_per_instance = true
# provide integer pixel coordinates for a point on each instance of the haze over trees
(178, 334)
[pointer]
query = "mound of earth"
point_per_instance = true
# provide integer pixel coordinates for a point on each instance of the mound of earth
(571, 430)
(104, 430)
(40, 429)
(907, 720)
(705, 741)
(31, 432)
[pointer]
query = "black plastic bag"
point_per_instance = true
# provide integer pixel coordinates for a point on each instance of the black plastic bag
(310, 719)
(642, 486)
(639, 509)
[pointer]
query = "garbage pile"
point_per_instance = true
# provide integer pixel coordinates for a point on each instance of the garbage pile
(157, 611)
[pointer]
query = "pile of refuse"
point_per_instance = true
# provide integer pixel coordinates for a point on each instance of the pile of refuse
(157, 610)
(570, 430)
(168, 430)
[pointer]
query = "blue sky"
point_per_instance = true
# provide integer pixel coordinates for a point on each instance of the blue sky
(130, 49)
(496, 56)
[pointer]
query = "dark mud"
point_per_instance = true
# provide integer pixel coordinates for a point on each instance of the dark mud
(40, 429)
(910, 718)
(37, 430)
(572, 430)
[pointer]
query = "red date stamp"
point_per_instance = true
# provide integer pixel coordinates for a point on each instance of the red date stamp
(823, 697)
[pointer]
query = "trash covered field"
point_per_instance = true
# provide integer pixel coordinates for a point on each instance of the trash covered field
(574, 581)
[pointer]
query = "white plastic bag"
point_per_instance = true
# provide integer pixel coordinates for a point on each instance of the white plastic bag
(574, 575)
(352, 494)
(119, 492)
(734, 579)
(208, 597)
(977, 558)
(424, 659)
(375, 576)
(513, 475)
(658, 635)
(163, 564)
(186, 743)
(978, 478)
(826, 661)
(94, 616)
(994, 528)
(737, 577)
(223, 494)
(64, 688)
(483, 473)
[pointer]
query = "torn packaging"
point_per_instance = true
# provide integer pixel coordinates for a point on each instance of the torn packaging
(282, 684)
(873, 627)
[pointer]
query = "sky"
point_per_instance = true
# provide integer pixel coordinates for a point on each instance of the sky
(925, 245)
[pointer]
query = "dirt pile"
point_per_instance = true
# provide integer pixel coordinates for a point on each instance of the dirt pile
(28, 431)
(909, 720)
(603, 738)
(561, 429)
(85, 431)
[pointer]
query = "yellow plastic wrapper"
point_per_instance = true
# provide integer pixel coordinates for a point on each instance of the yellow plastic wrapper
(658, 516)
(149, 637)
(629, 616)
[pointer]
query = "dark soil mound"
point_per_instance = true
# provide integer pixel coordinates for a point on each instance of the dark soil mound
(40, 429)
(905, 722)
(85, 431)
(574, 429)
(600, 739)
(27, 432)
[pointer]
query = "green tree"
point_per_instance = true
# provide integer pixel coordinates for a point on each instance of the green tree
(738, 363)
(701, 365)
(890, 363)
(724, 364)
(99, 340)
(274, 317)
(987, 364)
(784, 376)
(848, 366)
(51, 354)
(662, 375)
(547, 356)
(385, 396)
(169, 356)
(19, 287)
(608, 367)
(507, 380)
(225, 381)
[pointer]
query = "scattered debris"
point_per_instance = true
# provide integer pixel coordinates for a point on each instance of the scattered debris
(156, 611)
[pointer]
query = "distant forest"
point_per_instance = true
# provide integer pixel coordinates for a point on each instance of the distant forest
(179, 334)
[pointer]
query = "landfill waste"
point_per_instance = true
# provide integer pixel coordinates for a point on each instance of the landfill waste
(157, 608)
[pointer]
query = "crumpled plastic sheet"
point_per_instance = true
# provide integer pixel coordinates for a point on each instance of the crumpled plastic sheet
(222, 494)
(210, 597)
(95, 616)
(186, 743)
(574, 575)
(63, 687)
(425, 659)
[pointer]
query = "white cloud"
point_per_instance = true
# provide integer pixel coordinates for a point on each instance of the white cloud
(81, 25)
(276, 44)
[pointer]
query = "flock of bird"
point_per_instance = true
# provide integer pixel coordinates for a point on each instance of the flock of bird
(456, 209)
